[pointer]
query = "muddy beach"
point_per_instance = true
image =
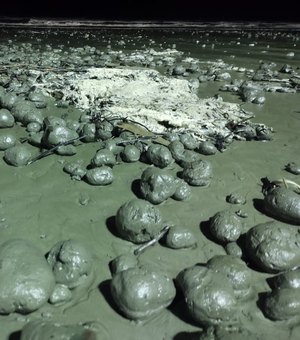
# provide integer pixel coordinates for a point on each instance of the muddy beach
(149, 184)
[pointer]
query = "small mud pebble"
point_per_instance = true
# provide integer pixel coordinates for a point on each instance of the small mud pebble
(123, 262)
(17, 155)
(157, 185)
(178, 238)
(140, 293)
(131, 154)
(99, 176)
(7, 120)
(7, 140)
(235, 198)
(138, 221)
(183, 190)
(197, 173)
(225, 226)
(159, 155)
(207, 148)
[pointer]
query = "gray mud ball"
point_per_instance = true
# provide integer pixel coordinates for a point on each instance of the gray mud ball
(34, 127)
(7, 140)
(157, 185)
(131, 154)
(8, 100)
(123, 262)
(235, 198)
(140, 293)
(233, 249)
(39, 99)
(189, 142)
(289, 279)
(178, 238)
(209, 296)
(57, 135)
(197, 173)
(225, 226)
(99, 176)
(188, 157)
(34, 116)
(282, 304)
(177, 149)
(159, 155)
(274, 246)
(103, 157)
(236, 271)
(26, 280)
(75, 169)
(88, 131)
(46, 330)
(207, 148)
(138, 221)
(183, 190)
(71, 263)
(66, 150)
(61, 294)
(7, 120)
(21, 108)
(18, 155)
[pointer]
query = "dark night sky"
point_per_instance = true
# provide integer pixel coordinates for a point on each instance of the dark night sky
(194, 10)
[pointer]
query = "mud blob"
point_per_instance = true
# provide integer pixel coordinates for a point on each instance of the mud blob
(282, 304)
(6, 119)
(236, 271)
(225, 226)
(21, 108)
(42, 330)
(103, 157)
(188, 141)
(159, 155)
(197, 173)
(7, 140)
(99, 176)
(209, 296)
(61, 294)
(141, 292)
(131, 154)
(123, 262)
(26, 279)
(283, 204)
(71, 263)
(289, 279)
(178, 237)
(274, 246)
(17, 155)
(207, 148)
(157, 185)
(75, 169)
(183, 190)
(138, 221)
(58, 134)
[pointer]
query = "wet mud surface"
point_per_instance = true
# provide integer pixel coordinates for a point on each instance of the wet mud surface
(70, 229)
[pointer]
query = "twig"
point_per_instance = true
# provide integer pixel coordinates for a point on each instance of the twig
(52, 150)
(138, 251)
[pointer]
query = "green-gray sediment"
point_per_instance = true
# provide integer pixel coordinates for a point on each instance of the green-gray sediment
(40, 202)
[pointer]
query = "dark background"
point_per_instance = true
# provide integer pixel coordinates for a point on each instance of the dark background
(193, 10)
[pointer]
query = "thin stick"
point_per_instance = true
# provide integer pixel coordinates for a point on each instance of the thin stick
(138, 251)
(52, 150)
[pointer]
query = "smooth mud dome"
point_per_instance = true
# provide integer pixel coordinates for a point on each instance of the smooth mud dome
(43, 204)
